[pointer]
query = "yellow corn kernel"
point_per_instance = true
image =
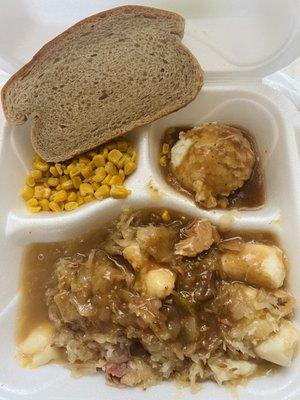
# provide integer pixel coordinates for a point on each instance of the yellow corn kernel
(111, 146)
(125, 158)
(54, 206)
(86, 189)
(80, 165)
(95, 185)
(53, 182)
(32, 203)
(76, 181)
(53, 171)
(129, 167)
(87, 171)
(27, 193)
(134, 156)
(70, 166)
(47, 193)
(122, 174)
(30, 181)
(79, 199)
(44, 203)
(60, 196)
(119, 192)
(41, 165)
(99, 160)
(130, 151)
(122, 146)
(84, 160)
(110, 168)
(163, 161)
(36, 174)
(72, 196)
(99, 175)
(88, 198)
(114, 156)
(165, 148)
(103, 192)
(71, 205)
(105, 152)
(165, 216)
(106, 180)
(59, 168)
(116, 180)
(36, 157)
(39, 192)
(58, 187)
(67, 185)
(34, 209)
(75, 171)
(63, 179)
(52, 196)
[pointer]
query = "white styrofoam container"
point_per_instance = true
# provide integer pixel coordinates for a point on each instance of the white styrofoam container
(237, 43)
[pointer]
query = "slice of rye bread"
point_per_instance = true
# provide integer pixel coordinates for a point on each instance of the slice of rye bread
(104, 76)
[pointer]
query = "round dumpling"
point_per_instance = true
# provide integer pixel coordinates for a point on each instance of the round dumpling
(212, 161)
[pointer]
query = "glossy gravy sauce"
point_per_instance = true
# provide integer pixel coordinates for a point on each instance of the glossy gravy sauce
(39, 263)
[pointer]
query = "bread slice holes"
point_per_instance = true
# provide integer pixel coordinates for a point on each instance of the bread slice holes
(103, 96)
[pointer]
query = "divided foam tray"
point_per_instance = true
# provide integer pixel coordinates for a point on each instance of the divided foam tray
(268, 120)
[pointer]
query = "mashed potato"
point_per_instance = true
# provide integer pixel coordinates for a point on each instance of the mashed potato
(212, 161)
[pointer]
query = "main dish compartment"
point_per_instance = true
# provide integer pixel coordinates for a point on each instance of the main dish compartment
(155, 296)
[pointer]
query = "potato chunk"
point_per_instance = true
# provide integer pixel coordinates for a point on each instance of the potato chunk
(159, 282)
(228, 370)
(36, 349)
(280, 347)
(258, 264)
(134, 256)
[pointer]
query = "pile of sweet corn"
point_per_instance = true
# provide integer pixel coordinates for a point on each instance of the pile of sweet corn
(93, 175)
(164, 153)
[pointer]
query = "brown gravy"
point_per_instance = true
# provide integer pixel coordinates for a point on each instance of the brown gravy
(251, 195)
(39, 261)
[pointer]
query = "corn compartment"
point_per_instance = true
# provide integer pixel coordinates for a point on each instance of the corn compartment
(94, 175)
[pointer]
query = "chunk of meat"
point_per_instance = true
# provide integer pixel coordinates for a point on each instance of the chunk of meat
(201, 234)
(157, 241)
(116, 370)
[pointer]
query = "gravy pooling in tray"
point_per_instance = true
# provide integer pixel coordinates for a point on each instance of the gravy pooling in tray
(250, 196)
(157, 295)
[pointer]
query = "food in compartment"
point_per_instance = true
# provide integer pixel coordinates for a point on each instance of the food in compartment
(158, 295)
(214, 163)
(97, 174)
(106, 75)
